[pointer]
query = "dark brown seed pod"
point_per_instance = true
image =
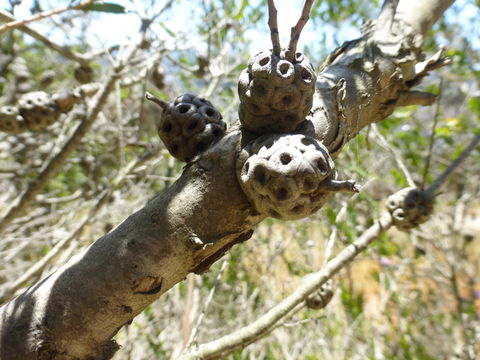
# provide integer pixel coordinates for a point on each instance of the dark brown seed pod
(288, 176)
(158, 77)
(322, 297)
(11, 121)
(38, 109)
(189, 125)
(84, 74)
(410, 207)
(65, 101)
(271, 86)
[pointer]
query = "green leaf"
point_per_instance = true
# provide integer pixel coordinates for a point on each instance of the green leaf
(170, 32)
(240, 12)
(106, 7)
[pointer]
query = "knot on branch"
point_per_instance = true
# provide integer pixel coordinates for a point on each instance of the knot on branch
(275, 94)
(322, 297)
(189, 125)
(410, 207)
(288, 176)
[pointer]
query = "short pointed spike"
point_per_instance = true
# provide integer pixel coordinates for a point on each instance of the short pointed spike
(163, 104)
(273, 25)
(297, 30)
(340, 186)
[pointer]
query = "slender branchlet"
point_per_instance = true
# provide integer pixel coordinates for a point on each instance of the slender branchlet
(273, 24)
(297, 29)
(455, 163)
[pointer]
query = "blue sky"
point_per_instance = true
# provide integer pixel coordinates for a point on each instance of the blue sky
(109, 29)
(112, 29)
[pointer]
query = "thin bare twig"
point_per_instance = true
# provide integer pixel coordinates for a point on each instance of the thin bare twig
(18, 23)
(297, 30)
(57, 161)
(396, 155)
(432, 136)
(439, 181)
(194, 332)
(273, 25)
(188, 309)
(333, 235)
(64, 51)
(263, 325)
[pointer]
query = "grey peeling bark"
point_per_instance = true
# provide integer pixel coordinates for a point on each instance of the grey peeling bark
(421, 15)
(364, 80)
(74, 313)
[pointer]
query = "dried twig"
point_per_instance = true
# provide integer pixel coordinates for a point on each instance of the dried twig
(18, 23)
(439, 181)
(263, 325)
(432, 136)
(56, 162)
(396, 155)
(64, 51)
(297, 29)
(194, 332)
(273, 25)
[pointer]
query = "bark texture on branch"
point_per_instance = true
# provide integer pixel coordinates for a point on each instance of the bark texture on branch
(74, 313)
(364, 80)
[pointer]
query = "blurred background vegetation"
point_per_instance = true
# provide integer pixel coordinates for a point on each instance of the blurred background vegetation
(410, 296)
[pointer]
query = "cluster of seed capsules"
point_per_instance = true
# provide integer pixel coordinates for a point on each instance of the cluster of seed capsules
(284, 175)
(35, 111)
(288, 176)
(189, 125)
(276, 93)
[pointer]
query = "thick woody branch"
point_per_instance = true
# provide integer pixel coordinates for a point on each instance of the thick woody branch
(387, 14)
(184, 229)
(8, 290)
(77, 310)
(421, 15)
(366, 79)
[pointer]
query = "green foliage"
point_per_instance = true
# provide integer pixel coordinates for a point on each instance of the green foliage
(106, 7)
